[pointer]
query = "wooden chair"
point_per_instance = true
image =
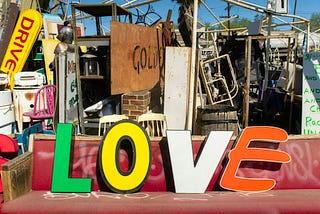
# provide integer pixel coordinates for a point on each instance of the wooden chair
(107, 120)
(154, 123)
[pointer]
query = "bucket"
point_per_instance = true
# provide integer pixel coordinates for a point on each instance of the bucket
(7, 120)
(217, 117)
(5, 98)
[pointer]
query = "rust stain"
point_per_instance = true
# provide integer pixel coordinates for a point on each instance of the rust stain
(29, 96)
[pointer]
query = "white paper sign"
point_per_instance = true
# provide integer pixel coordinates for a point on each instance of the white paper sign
(310, 122)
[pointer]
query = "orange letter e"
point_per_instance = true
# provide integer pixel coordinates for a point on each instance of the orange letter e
(242, 152)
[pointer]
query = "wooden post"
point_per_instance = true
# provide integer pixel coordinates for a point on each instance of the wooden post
(192, 77)
(245, 117)
(293, 83)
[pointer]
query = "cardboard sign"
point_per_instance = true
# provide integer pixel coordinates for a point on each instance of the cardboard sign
(137, 57)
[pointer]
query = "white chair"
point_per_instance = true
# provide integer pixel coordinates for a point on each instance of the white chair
(107, 120)
(155, 124)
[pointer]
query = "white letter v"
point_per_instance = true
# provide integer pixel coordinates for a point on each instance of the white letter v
(188, 176)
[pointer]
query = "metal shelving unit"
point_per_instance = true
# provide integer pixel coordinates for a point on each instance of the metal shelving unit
(100, 81)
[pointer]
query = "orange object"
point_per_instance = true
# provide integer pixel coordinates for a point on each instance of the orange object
(242, 152)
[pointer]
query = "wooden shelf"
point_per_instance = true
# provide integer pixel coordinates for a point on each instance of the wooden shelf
(93, 41)
(88, 77)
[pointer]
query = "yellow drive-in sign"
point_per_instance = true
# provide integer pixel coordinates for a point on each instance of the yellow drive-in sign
(23, 38)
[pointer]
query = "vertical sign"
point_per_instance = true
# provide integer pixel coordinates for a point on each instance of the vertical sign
(72, 92)
(310, 122)
(22, 40)
(67, 88)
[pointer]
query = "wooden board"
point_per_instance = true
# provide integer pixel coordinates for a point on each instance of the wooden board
(178, 61)
(48, 52)
(137, 58)
(8, 26)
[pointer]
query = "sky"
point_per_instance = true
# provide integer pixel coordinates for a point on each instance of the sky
(219, 8)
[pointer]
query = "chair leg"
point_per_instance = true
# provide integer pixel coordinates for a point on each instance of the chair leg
(21, 145)
(44, 127)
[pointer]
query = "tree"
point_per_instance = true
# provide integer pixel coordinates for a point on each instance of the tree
(314, 22)
(238, 23)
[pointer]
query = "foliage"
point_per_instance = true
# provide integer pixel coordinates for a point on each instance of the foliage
(235, 23)
(314, 22)
(238, 23)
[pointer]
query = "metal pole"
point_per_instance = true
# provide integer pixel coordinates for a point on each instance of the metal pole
(193, 67)
(229, 20)
(294, 9)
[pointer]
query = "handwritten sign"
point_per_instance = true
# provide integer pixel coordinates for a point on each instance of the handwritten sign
(137, 59)
(310, 123)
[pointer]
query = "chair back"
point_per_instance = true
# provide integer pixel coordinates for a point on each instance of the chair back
(107, 120)
(154, 123)
(45, 102)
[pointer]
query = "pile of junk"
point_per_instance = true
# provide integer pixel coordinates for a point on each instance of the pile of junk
(18, 104)
(241, 87)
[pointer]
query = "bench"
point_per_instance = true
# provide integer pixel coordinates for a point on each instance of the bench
(27, 183)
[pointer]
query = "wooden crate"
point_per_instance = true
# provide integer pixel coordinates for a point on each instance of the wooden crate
(16, 176)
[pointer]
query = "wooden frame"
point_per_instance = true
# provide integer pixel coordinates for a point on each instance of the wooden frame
(245, 119)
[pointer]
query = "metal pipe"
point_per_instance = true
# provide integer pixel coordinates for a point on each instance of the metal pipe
(124, 5)
(285, 24)
(141, 4)
(293, 26)
(225, 20)
(247, 5)
(107, 1)
(211, 12)
(261, 9)
(128, 2)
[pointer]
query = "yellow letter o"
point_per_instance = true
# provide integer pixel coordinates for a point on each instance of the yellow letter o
(125, 131)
